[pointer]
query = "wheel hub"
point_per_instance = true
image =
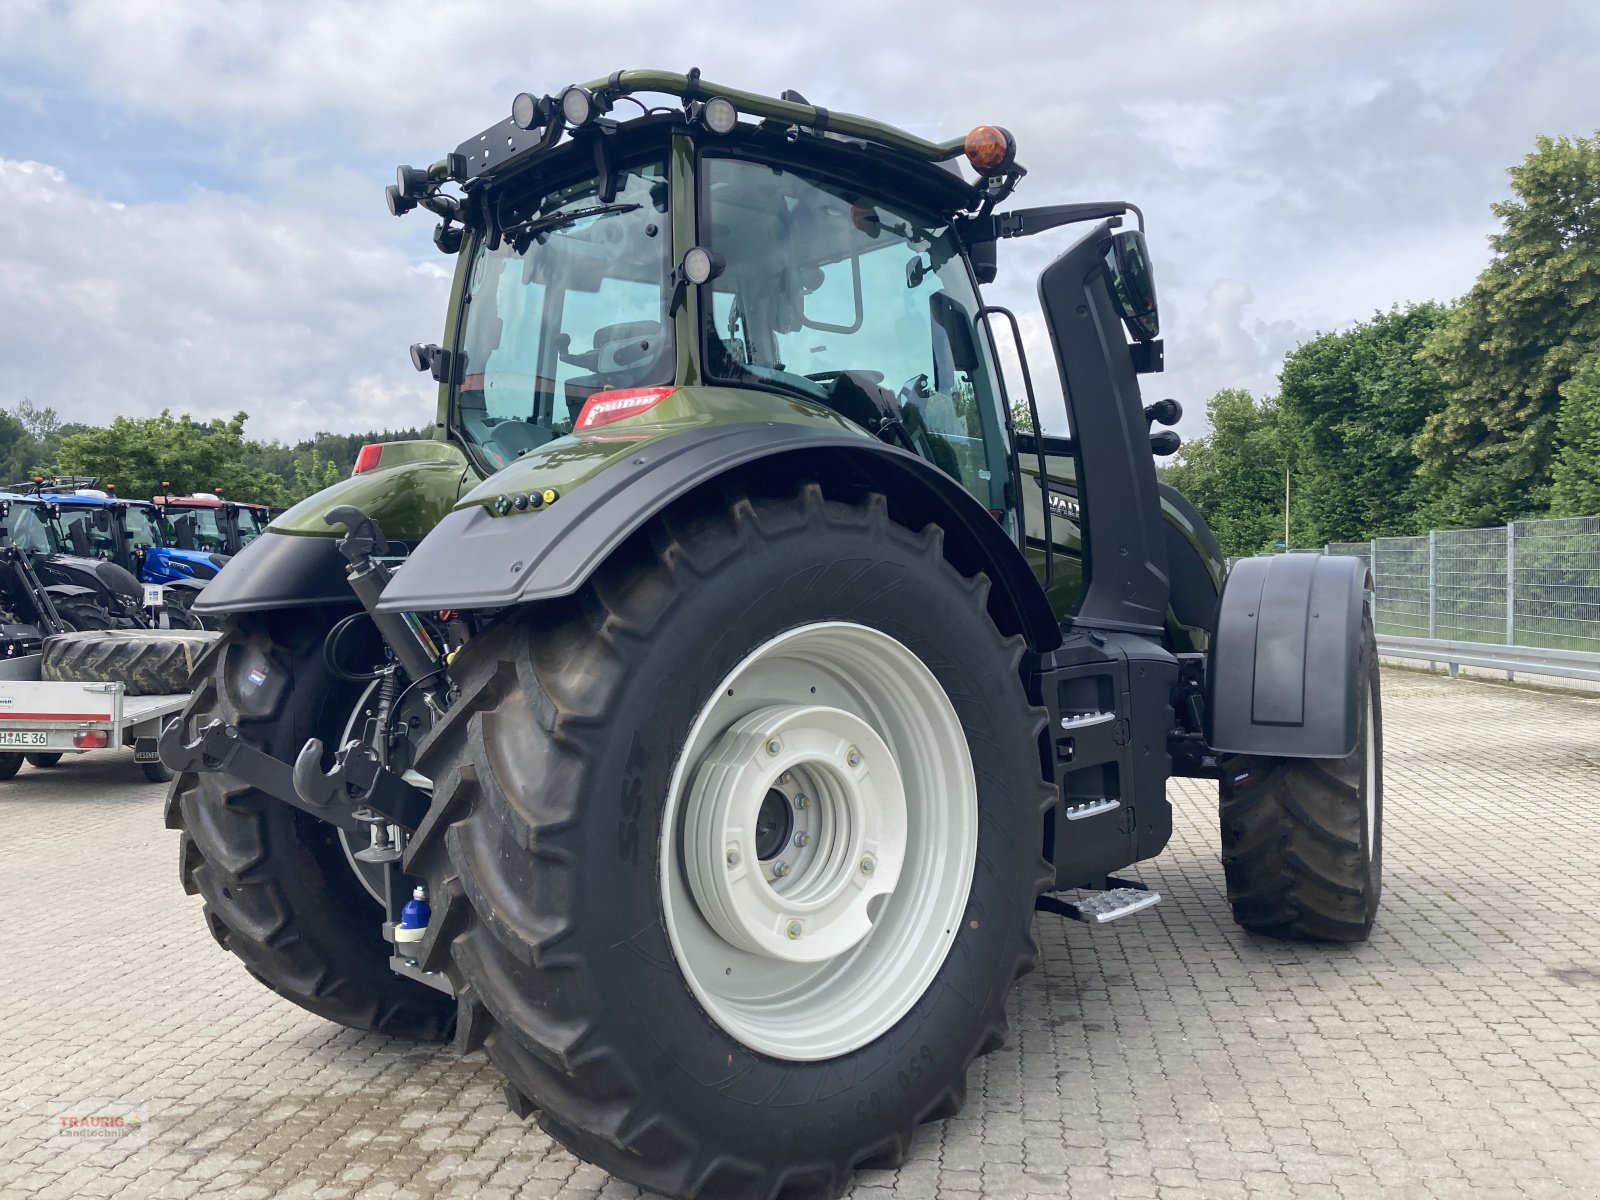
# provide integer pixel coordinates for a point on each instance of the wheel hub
(796, 829)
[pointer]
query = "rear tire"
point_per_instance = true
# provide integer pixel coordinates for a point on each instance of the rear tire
(157, 772)
(552, 864)
(1302, 839)
(44, 760)
(10, 764)
(278, 890)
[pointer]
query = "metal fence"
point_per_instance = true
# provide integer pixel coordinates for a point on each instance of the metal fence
(1530, 583)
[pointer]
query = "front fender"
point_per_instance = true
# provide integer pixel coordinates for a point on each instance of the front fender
(408, 498)
(1283, 676)
(476, 559)
(295, 564)
(278, 570)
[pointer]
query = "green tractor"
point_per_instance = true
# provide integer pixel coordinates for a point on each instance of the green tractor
(698, 720)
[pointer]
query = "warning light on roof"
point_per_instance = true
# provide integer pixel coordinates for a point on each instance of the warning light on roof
(990, 149)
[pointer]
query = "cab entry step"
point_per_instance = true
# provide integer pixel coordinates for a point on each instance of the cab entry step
(1097, 908)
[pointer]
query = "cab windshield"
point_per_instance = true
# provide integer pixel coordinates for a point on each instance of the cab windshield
(143, 530)
(197, 529)
(27, 528)
(834, 295)
(252, 524)
(572, 301)
(87, 532)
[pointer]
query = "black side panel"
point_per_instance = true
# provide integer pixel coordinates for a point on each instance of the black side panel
(1283, 674)
(1195, 569)
(1125, 550)
(474, 560)
(278, 570)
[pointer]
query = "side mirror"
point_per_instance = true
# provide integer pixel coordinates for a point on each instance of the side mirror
(1133, 284)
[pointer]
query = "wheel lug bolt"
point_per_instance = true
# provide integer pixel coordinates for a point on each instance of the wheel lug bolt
(780, 868)
(853, 757)
(793, 930)
(774, 745)
(785, 777)
(868, 864)
(800, 800)
(733, 857)
(802, 839)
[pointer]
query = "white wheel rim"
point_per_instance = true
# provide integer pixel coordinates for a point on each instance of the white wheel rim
(819, 957)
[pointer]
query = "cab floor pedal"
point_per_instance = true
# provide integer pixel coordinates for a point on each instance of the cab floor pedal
(1100, 907)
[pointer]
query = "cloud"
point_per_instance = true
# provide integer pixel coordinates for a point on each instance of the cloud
(1301, 165)
(210, 304)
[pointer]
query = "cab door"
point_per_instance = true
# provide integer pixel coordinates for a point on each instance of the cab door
(1064, 584)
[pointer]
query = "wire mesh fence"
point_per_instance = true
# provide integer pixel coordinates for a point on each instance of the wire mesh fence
(1531, 583)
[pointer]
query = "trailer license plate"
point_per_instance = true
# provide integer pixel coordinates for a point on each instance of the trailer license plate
(13, 737)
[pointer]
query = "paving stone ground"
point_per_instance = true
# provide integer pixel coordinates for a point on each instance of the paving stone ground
(1455, 1054)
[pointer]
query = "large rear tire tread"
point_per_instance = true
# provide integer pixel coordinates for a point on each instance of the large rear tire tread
(513, 763)
(1295, 836)
(277, 888)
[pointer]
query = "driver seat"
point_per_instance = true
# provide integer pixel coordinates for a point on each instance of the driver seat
(625, 355)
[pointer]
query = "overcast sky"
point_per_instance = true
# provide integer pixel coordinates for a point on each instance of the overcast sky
(194, 216)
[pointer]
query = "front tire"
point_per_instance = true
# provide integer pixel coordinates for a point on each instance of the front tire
(44, 760)
(10, 764)
(278, 890)
(596, 761)
(1302, 839)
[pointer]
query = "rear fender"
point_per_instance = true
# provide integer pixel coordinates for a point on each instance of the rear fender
(478, 559)
(1284, 669)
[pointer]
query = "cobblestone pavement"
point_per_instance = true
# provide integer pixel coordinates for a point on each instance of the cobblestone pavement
(1455, 1054)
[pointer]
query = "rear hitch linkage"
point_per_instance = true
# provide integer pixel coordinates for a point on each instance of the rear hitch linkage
(359, 791)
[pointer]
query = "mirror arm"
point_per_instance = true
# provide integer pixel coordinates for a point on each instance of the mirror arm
(1024, 222)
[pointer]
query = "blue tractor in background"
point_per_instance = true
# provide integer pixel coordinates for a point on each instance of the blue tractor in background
(134, 534)
(85, 528)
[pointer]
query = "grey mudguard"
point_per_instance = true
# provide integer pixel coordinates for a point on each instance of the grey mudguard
(278, 570)
(1285, 664)
(474, 560)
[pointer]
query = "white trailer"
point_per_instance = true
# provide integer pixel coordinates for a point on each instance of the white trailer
(44, 720)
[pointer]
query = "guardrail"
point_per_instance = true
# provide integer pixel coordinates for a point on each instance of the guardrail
(1530, 660)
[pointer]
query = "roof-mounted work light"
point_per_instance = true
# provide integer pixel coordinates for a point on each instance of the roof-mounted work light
(579, 106)
(529, 111)
(410, 186)
(719, 115)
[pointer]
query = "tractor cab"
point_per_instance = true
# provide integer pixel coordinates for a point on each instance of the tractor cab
(203, 522)
(94, 523)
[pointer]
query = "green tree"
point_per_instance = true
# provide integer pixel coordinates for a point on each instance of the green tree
(1575, 476)
(1514, 340)
(139, 454)
(1355, 402)
(1234, 475)
(311, 475)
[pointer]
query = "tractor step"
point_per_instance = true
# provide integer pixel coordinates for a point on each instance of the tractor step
(1101, 907)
